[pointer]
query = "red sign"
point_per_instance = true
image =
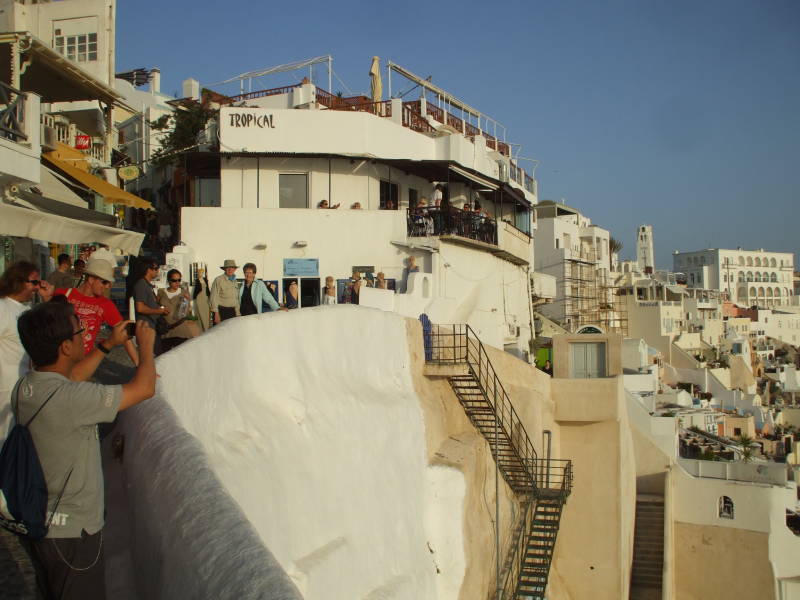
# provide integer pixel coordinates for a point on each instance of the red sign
(83, 142)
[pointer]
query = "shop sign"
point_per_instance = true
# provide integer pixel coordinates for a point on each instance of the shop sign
(301, 267)
(251, 120)
(83, 142)
(128, 173)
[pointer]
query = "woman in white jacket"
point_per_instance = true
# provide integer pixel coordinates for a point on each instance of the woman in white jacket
(254, 293)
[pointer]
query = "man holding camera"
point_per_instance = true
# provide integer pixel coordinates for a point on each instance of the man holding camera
(69, 561)
(91, 305)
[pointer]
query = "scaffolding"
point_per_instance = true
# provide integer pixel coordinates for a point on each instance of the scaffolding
(590, 296)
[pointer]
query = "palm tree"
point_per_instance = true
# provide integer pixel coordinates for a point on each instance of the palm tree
(747, 451)
(614, 246)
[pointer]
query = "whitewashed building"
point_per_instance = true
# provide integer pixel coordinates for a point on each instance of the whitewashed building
(576, 252)
(748, 277)
(284, 151)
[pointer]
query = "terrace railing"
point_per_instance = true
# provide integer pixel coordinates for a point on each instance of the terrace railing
(380, 109)
(414, 120)
(264, 93)
(422, 222)
(12, 113)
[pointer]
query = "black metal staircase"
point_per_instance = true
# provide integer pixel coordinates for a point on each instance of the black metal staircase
(542, 485)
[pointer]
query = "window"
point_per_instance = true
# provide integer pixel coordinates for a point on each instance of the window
(737, 431)
(389, 193)
(725, 509)
(293, 190)
(80, 48)
(412, 197)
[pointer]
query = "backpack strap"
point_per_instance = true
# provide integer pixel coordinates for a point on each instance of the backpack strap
(36, 414)
(69, 291)
(58, 500)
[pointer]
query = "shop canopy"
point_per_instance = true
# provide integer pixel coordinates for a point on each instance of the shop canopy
(110, 193)
(24, 222)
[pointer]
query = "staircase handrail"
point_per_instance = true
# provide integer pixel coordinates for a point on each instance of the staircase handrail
(480, 365)
(466, 347)
(515, 556)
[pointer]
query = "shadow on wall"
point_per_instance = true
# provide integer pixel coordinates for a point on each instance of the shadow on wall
(190, 538)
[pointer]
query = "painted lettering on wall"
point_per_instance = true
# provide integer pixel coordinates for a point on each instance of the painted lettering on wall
(251, 120)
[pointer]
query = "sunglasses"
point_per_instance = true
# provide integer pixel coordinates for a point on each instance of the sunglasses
(174, 280)
(34, 282)
(74, 333)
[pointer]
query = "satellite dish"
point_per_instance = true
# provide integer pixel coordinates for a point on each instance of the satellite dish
(128, 173)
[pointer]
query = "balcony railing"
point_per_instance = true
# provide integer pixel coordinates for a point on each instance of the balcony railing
(432, 221)
(380, 109)
(12, 113)
(414, 120)
(287, 89)
(66, 133)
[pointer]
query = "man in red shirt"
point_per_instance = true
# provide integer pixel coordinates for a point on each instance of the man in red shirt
(92, 308)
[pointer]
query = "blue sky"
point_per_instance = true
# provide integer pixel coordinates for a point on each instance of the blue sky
(682, 114)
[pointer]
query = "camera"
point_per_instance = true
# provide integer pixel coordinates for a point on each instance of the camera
(130, 329)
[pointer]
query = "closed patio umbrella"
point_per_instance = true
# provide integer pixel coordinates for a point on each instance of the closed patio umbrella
(376, 85)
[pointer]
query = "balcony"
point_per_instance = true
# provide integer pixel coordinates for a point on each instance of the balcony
(453, 223)
(57, 128)
(19, 138)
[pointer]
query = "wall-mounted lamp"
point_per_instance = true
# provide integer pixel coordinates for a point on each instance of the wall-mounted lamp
(447, 265)
(300, 244)
(262, 246)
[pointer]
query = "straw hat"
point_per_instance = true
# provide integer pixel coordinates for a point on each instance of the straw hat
(229, 262)
(99, 267)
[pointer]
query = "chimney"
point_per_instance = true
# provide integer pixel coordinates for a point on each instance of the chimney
(191, 88)
(155, 81)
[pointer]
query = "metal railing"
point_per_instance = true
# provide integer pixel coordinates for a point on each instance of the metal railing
(556, 475)
(263, 93)
(549, 478)
(422, 222)
(458, 344)
(414, 120)
(380, 109)
(12, 113)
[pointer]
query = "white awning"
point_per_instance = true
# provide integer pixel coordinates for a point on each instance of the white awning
(476, 178)
(675, 289)
(23, 222)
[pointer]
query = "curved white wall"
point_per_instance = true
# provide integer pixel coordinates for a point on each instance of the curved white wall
(310, 421)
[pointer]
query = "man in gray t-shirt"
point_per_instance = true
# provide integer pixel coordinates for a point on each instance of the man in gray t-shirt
(147, 307)
(69, 560)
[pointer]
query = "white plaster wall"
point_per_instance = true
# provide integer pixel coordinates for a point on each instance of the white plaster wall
(249, 182)
(310, 421)
(351, 133)
(38, 19)
(475, 287)
(757, 507)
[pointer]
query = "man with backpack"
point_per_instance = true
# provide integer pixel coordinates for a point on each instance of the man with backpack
(66, 410)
